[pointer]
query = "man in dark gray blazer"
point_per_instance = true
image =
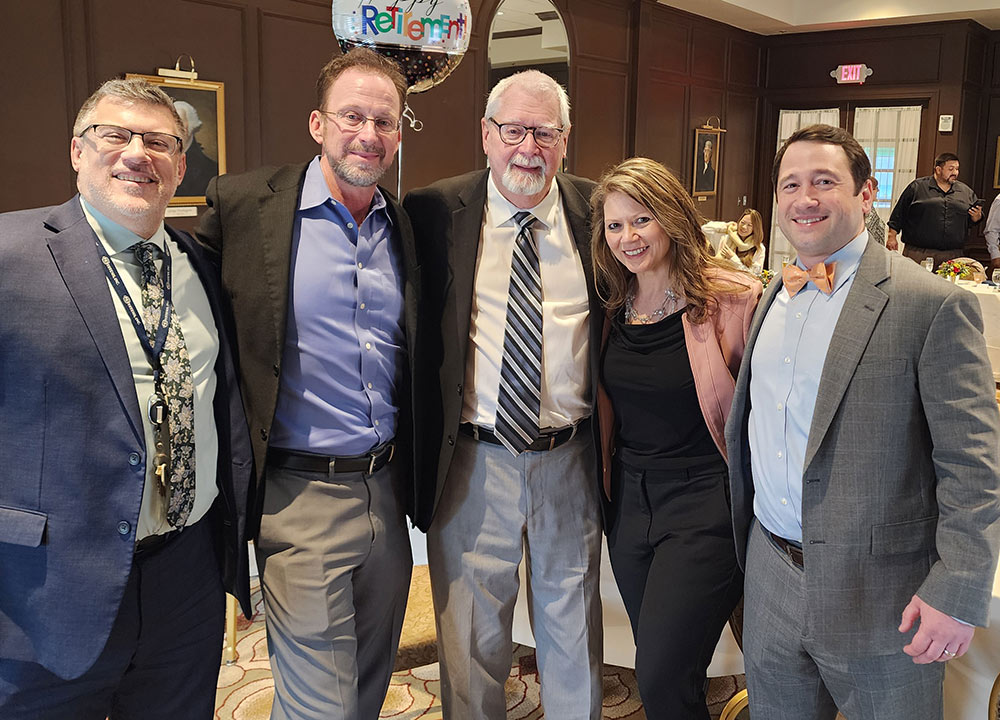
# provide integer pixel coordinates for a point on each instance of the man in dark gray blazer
(510, 461)
(320, 265)
(863, 445)
(112, 574)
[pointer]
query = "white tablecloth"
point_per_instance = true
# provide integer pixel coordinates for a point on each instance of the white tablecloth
(619, 647)
(989, 301)
(969, 679)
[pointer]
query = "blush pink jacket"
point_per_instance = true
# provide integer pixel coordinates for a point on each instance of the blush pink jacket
(715, 351)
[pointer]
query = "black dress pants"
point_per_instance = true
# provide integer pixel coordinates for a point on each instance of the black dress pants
(162, 659)
(670, 539)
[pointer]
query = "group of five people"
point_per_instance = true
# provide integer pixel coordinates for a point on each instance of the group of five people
(516, 359)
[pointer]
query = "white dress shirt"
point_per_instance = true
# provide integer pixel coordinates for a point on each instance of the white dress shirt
(202, 341)
(565, 313)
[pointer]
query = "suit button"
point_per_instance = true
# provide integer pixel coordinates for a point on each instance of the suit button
(277, 370)
(263, 434)
(133, 459)
(451, 440)
(460, 388)
(124, 528)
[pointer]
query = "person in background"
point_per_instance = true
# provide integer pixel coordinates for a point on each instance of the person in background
(873, 221)
(992, 234)
(674, 333)
(934, 214)
(125, 460)
(743, 244)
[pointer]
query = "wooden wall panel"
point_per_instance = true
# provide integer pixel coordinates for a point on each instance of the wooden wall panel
(600, 30)
(601, 99)
(662, 131)
(708, 54)
(288, 81)
(739, 155)
(664, 44)
(38, 111)
(744, 62)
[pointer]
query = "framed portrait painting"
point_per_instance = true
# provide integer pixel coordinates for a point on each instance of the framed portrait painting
(707, 153)
(202, 104)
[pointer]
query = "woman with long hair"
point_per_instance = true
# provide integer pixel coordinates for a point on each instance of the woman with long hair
(676, 325)
(743, 244)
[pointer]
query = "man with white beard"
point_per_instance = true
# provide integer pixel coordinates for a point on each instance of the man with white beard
(507, 280)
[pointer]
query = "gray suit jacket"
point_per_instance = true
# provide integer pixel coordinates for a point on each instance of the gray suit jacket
(447, 223)
(900, 486)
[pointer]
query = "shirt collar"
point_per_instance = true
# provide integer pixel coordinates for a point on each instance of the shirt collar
(503, 210)
(114, 237)
(315, 191)
(847, 258)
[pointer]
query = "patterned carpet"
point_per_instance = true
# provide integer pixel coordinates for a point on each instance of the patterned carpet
(245, 688)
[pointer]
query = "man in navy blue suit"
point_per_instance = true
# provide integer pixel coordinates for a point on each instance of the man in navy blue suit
(125, 458)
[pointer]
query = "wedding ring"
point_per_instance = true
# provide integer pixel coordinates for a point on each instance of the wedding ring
(949, 653)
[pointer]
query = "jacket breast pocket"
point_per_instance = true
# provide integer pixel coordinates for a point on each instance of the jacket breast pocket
(22, 527)
(881, 368)
(904, 537)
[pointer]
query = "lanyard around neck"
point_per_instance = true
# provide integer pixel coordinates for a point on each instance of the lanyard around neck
(155, 348)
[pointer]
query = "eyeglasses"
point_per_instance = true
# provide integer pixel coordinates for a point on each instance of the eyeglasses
(512, 134)
(351, 120)
(113, 136)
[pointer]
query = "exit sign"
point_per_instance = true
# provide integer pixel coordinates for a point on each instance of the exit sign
(855, 74)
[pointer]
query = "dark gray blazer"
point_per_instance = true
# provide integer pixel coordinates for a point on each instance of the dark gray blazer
(249, 222)
(447, 221)
(72, 450)
(900, 486)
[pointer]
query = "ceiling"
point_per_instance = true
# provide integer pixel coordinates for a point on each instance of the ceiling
(774, 17)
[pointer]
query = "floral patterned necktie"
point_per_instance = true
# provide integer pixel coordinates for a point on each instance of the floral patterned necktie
(176, 386)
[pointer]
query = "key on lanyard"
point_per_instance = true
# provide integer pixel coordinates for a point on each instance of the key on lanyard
(157, 411)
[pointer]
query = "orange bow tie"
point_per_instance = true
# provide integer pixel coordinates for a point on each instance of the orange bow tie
(795, 278)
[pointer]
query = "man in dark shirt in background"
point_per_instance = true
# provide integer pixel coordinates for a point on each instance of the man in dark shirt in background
(934, 214)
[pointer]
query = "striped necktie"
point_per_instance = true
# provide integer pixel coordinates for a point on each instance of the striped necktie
(519, 399)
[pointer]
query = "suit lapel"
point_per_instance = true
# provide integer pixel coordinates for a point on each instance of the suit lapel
(862, 309)
(75, 254)
(277, 220)
(463, 247)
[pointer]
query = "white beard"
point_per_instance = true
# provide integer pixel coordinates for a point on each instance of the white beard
(520, 182)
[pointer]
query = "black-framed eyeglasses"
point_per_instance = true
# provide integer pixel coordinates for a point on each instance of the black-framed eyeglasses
(351, 120)
(514, 134)
(118, 137)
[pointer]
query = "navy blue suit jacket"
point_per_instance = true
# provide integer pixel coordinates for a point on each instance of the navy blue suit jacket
(72, 453)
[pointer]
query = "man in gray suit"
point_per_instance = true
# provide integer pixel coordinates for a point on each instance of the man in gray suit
(864, 445)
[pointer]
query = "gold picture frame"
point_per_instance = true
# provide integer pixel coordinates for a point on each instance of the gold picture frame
(206, 156)
(705, 169)
(996, 166)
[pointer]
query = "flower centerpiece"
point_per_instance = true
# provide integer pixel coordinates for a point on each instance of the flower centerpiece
(764, 276)
(959, 269)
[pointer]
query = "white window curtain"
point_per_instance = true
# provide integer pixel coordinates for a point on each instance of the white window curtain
(780, 250)
(890, 137)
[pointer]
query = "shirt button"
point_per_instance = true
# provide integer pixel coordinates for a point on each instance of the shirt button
(780, 407)
(369, 386)
(784, 501)
(780, 454)
(124, 528)
(350, 226)
(368, 346)
(376, 422)
(798, 315)
(787, 360)
(362, 306)
(360, 265)
(133, 458)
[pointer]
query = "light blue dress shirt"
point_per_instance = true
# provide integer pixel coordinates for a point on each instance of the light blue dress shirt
(344, 342)
(785, 371)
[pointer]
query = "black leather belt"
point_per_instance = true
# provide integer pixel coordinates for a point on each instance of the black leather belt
(792, 550)
(152, 543)
(368, 463)
(546, 440)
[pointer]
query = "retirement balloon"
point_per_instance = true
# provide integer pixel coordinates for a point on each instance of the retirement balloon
(426, 37)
